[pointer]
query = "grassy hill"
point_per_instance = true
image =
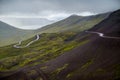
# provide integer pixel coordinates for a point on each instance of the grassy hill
(49, 46)
(10, 34)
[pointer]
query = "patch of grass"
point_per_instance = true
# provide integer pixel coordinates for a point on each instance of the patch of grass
(87, 64)
(57, 71)
(81, 69)
(31, 72)
(99, 71)
(44, 67)
(69, 75)
(117, 72)
(61, 68)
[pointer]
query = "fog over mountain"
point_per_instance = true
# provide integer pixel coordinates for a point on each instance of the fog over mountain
(20, 13)
(27, 23)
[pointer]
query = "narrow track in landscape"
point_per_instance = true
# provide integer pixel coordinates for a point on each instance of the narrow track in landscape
(19, 43)
(102, 35)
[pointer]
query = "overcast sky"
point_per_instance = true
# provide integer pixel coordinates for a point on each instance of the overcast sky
(51, 10)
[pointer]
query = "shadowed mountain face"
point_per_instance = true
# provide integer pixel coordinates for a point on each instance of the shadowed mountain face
(10, 34)
(110, 26)
(68, 55)
(96, 60)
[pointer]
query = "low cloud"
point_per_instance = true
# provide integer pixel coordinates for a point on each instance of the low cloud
(52, 10)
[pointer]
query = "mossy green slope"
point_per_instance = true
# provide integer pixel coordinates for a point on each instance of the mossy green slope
(49, 46)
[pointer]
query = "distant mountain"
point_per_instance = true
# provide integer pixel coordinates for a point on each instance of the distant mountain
(27, 22)
(34, 22)
(10, 34)
(73, 23)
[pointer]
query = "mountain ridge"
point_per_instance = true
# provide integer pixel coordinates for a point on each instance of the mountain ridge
(10, 34)
(72, 22)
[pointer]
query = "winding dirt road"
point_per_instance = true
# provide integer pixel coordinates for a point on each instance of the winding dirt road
(102, 35)
(19, 43)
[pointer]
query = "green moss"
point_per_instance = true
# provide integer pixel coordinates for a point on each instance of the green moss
(99, 72)
(44, 67)
(117, 72)
(31, 72)
(61, 68)
(39, 78)
(69, 75)
(57, 71)
(87, 64)
(81, 69)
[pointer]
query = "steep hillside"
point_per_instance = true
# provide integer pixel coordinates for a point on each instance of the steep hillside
(10, 34)
(110, 26)
(67, 55)
(98, 59)
(73, 23)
